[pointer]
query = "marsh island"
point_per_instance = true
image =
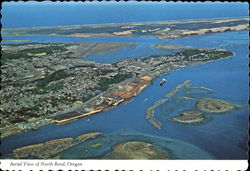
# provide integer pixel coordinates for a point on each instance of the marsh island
(137, 150)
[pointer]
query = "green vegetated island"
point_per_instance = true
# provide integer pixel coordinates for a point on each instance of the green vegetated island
(137, 150)
(46, 83)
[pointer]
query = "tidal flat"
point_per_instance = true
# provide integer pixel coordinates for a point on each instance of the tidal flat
(50, 148)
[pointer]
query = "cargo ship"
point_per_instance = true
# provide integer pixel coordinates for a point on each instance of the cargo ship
(163, 81)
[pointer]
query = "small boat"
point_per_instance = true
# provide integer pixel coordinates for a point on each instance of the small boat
(163, 81)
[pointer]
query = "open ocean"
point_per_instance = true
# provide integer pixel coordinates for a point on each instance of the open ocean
(37, 14)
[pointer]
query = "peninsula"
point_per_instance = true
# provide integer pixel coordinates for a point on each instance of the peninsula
(44, 82)
(162, 30)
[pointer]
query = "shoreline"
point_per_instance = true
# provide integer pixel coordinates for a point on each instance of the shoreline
(162, 30)
(112, 92)
(137, 22)
(64, 121)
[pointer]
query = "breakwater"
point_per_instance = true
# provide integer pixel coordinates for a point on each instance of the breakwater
(151, 110)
